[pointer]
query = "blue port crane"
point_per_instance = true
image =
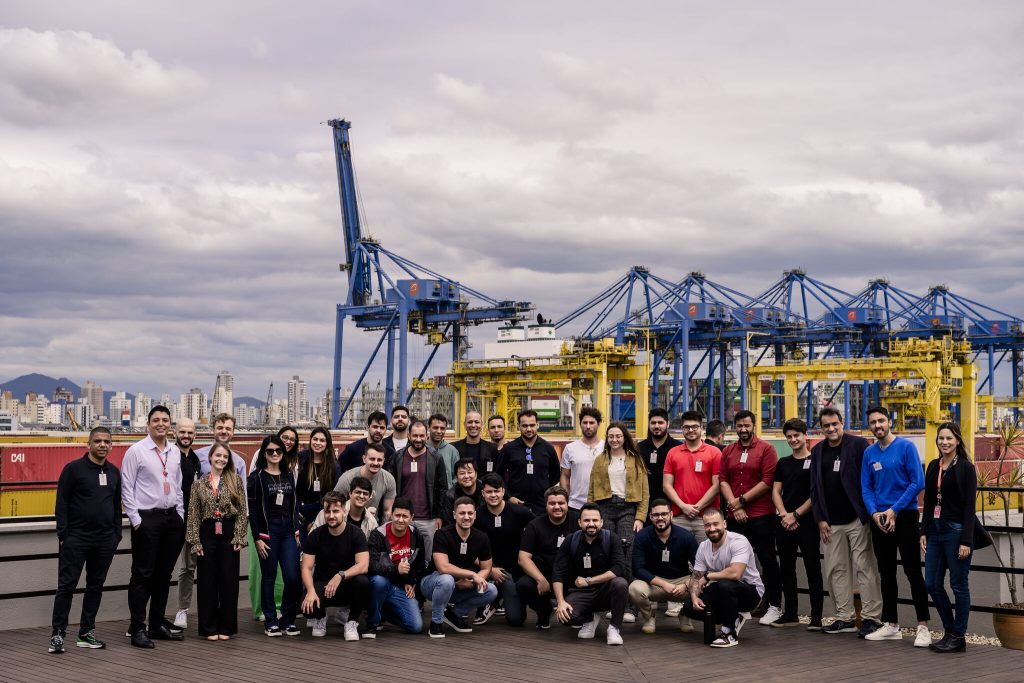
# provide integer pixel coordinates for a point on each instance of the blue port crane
(395, 296)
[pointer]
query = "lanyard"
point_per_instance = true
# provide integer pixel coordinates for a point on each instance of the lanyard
(942, 471)
(216, 496)
(163, 461)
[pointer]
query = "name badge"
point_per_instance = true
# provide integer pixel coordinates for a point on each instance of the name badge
(497, 522)
(698, 466)
(167, 488)
(279, 498)
(316, 485)
(218, 527)
(835, 466)
(807, 464)
(877, 467)
(414, 467)
(665, 555)
(558, 543)
(937, 512)
(654, 457)
(490, 465)
(463, 548)
(529, 468)
(743, 458)
(103, 478)
(587, 562)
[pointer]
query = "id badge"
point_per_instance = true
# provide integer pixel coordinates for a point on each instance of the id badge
(414, 467)
(497, 522)
(529, 468)
(877, 466)
(167, 488)
(937, 512)
(665, 555)
(807, 464)
(103, 478)
(587, 562)
(279, 498)
(698, 466)
(218, 527)
(743, 458)
(463, 548)
(316, 485)
(558, 543)
(654, 457)
(835, 466)
(490, 465)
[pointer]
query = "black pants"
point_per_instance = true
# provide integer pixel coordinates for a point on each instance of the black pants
(155, 548)
(760, 531)
(75, 553)
(907, 540)
(805, 539)
(528, 597)
(725, 600)
(612, 595)
(217, 580)
(353, 592)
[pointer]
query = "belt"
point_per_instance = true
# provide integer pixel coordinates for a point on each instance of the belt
(617, 499)
(159, 511)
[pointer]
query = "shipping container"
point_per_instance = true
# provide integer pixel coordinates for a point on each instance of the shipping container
(27, 503)
(40, 462)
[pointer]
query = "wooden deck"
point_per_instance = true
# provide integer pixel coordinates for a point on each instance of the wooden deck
(498, 653)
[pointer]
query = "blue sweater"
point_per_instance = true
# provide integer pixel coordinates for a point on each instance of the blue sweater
(891, 478)
(647, 549)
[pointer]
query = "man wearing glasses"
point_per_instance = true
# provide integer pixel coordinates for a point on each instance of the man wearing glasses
(530, 465)
(662, 556)
(691, 477)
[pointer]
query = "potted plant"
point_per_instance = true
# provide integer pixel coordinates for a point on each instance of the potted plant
(1006, 472)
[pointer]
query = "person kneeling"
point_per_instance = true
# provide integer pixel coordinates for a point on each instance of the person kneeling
(592, 564)
(396, 552)
(334, 564)
(662, 556)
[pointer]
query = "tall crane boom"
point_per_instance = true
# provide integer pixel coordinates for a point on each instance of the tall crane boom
(355, 261)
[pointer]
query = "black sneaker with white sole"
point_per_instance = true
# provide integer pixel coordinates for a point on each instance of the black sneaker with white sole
(785, 621)
(485, 615)
(89, 640)
(436, 630)
(725, 640)
(56, 644)
(456, 622)
(840, 626)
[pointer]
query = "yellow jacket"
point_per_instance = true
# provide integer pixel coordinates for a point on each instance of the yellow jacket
(637, 490)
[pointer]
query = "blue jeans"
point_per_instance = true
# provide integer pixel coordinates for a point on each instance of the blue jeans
(440, 590)
(943, 547)
(515, 610)
(282, 551)
(388, 601)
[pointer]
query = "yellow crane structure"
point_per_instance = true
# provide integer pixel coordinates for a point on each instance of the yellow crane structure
(987, 404)
(581, 369)
(930, 375)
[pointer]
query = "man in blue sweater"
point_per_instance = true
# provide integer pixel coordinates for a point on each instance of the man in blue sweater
(662, 556)
(891, 477)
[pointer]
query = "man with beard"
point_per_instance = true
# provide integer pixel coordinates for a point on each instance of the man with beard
(191, 469)
(748, 472)
(725, 584)
(438, 425)
(504, 524)
(578, 458)
(714, 434)
(466, 484)
(484, 454)
(384, 488)
(662, 556)
(529, 464)
(399, 437)
(394, 572)
(537, 550)
(496, 431)
(419, 476)
(588, 578)
(891, 478)
(223, 432)
(692, 477)
(655, 448)
(352, 457)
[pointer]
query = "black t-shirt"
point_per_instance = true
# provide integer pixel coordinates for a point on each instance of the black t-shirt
(656, 469)
(334, 553)
(472, 450)
(795, 476)
(505, 535)
(530, 471)
(279, 483)
(542, 539)
(840, 509)
(477, 548)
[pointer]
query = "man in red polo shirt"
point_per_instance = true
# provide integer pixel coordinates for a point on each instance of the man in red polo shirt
(748, 472)
(691, 477)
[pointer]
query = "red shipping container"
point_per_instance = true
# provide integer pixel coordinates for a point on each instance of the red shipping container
(43, 462)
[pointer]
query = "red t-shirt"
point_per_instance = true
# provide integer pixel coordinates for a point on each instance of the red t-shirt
(692, 472)
(400, 545)
(743, 473)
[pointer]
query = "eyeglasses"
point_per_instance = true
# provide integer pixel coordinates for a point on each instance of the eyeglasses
(690, 428)
(659, 515)
(272, 451)
(361, 494)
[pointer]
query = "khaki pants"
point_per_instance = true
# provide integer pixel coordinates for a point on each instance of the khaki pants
(186, 577)
(643, 594)
(849, 549)
(694, 526)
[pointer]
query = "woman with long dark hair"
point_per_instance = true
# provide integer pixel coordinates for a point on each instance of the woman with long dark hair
(947, 534)
(290, 437)
(216, 533)
(318, 473)
(274, 518)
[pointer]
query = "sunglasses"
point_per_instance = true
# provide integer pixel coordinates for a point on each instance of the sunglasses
(272, 451)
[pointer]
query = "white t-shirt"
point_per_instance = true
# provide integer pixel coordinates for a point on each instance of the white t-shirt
(735, 548)
(578, 458)
(617, 475)
(400, 443)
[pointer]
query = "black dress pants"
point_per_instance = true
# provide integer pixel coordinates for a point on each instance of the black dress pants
(217, 580)
(155, 548)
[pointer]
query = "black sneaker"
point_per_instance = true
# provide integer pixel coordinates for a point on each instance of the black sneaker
(786, 621)
(725, 640)
(840, 626)
(90, 641)
(815, 624)
(273, 631)
(292, 630)
(867, 627)
(485, 615)
(544, 623)
(499, 611)
(456, 622)
(56, 644)
(436, 630)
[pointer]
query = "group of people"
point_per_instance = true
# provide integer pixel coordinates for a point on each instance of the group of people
(494, 527)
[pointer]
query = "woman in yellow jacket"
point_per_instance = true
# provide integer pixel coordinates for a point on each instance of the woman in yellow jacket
(618, 484)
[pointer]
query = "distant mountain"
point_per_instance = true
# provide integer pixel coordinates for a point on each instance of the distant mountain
(39, 384)
(250, 400)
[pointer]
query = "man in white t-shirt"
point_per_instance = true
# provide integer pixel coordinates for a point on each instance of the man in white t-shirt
(727, 584)
(578, 458)
(384, 489)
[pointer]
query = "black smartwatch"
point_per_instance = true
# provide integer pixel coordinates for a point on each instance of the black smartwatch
(742, 500)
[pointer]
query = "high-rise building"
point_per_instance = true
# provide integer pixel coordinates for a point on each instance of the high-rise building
(143, 404)
(224, 393)
(298, 401)
(119, 404)
(83, 413)
(193, 406)
(247, 415)
(93, 393)
(62, 395)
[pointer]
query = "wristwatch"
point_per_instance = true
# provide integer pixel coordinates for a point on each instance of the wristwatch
(342, 574)
(587, 579)
(742, 500)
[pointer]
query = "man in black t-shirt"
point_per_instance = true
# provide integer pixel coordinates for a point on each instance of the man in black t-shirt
(460, 565)
(537, 550)
(335, 560)
(466, 484)
(504, 524)
(484, 454)
(654, 449)
(529, 464)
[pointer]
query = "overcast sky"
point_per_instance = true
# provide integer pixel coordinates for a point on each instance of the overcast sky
(168, 197)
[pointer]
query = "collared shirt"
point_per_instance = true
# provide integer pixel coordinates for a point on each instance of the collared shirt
(239, 462)
(89, 501)
(142, 479)
(692, 473)
(743, 473)
(667, 560)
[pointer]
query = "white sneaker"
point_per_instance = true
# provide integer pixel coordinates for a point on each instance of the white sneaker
(352, 630)
(181, 618)
(888, 631)
(319, 627)
(627, 617)
(684, 623)
(772, 615)
(341, 616)
(590, 628)
(743, 618)
(673, 609)
(613, 637)
(649, 626)
(923, 637)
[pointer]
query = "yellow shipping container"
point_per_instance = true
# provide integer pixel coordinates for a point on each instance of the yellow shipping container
(27, 503)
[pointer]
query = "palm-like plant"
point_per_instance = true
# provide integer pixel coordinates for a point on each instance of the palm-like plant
(1007, 474)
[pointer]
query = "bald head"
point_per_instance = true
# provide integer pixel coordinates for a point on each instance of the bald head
(185, 433)
(474, 423)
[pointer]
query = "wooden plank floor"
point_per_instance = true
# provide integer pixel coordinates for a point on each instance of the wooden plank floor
(500, 653)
